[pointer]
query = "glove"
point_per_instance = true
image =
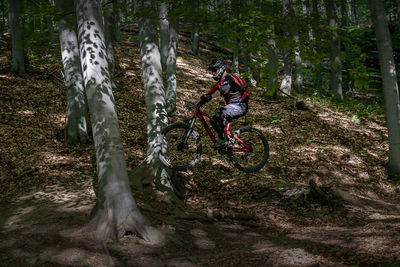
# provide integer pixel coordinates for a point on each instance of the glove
(205, 98)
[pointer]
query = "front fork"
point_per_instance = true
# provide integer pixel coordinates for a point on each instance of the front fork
(187, 133)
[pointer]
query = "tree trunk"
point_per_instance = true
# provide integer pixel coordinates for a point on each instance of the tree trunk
(116, 18)
(390, 87)
(272, 63)
(307, 14)
(335, 62)
(195, 30)
(398, 13)
(109, 29)
(298, 82)
(318, 52)
(116, 212)
(17, 40)
(152, 168)
(171, 67)
(76, 130)
(164, 34)
(286, 83)
(2, 18)
(235, 60)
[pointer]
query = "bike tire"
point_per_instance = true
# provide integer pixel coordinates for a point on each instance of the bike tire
(188, 156)
(259, 150)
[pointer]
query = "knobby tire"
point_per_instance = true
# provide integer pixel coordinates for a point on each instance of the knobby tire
(176, 157)
(255, 159)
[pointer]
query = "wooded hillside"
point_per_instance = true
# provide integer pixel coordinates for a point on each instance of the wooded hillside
(85, 98)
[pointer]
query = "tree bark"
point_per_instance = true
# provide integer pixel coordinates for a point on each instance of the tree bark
(319, 64)
(171, 67)
(164, 33)
(109, 28)
(272, 62)
(152, 168)
(17, 40)
(286, 83)
(116, 212)
(76, 130)
(390, 87)
(195, 30)
(398, 13)
(2, 18)
(335, 61)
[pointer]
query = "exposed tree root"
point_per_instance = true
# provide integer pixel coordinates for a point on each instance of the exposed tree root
(213, 216)
(113, 223)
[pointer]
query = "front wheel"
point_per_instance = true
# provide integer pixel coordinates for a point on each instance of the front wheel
(251, 152)
(183, 147)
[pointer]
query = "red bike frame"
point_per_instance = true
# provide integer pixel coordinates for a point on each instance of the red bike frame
(200, 114)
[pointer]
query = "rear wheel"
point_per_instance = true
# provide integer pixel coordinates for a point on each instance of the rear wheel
(183, 147)
(253, 154)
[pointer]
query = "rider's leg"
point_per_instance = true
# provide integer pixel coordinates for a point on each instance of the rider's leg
(217, 122)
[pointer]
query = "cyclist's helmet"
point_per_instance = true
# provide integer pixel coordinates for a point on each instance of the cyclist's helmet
(219, 66)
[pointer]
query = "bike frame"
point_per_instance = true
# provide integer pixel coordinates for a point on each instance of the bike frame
(200, 114)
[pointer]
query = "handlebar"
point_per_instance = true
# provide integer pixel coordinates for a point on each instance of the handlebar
(194, 105)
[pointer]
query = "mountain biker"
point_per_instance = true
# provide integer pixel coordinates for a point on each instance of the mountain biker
(231, 89)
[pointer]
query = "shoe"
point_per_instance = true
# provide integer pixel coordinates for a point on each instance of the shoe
(220, 142)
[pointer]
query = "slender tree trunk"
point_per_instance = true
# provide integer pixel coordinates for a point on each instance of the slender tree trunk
(235, 60)
(319, 64)
(116, 18)
(335, 61)
(286, 83)
(195, 39)
(171, 67)
(152, 168)
(307, 14)
(2, 20)
(298, 82)
(116, 212)
(390, 87)
(76, 130)
(398, 13)
(109, 29)
(50, 26)
(17, 40)
(164, 33)
(195, 30)
(272, 63)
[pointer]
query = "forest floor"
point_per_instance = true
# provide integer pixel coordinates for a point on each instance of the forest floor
(271, 218)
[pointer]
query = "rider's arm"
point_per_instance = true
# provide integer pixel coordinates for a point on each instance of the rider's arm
(213, 89)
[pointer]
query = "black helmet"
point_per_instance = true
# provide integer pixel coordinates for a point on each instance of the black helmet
(217, 65)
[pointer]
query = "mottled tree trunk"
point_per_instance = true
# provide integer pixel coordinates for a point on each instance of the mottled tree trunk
(195, 31)
(298, 82)
(152, 168)
(17, 40)
(286, 83)
(171, 67)
(390, 87)
(235, 60)
(318, 52)
(335, 84)
(272, 63)
(109, 28)
(164, 33)
(398, 13)
(116, 212)
(76, 130)
(307, 13)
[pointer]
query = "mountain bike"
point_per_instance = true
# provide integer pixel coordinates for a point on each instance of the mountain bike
(246, 147)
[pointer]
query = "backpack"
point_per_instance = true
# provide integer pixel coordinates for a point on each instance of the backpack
(239, 81)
